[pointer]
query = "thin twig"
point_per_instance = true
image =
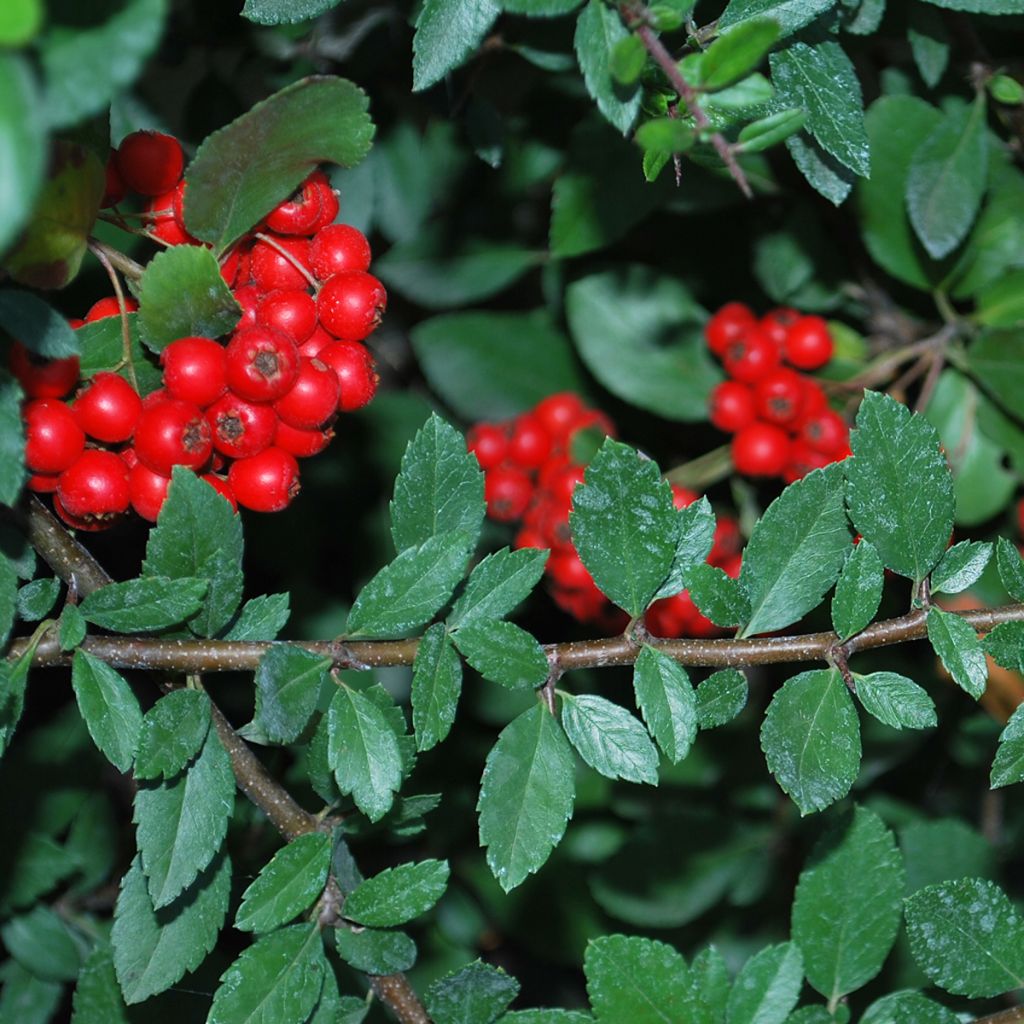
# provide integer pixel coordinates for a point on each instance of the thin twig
(116, 258)
(101, 251)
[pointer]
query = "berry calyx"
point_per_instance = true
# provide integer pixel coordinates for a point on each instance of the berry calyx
(239, 428)
(173, 433)
(262, 363)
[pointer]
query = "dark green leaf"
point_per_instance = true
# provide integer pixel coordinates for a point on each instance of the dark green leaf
(967, 937)
(896, 700)
(719, 597)
(526, 796)
(599, 29)
(375, 951)
(37, 598)
(609, 739)
(665, 135)
(961, 567)
(1011, 568)
(502, 652)
(183, 295)
(436, 685)
(97, 994)
(982, 6)
(635, 979)
(26, 998)
(824, 173)
(956, 643)
(12, 458)
(906, 1008)
(696, 536)
(261, 618)
(243, 170)
(173, 731)
(1008, 766)
(721, 697)
(287, 884)
(735, 54)
(846, 911)
(447, 32)
(929, 42)
(639, 334)
(796, 551)
(38, 326)
(1006, 644)
(999, 303)
(288, 682)
(109, 707)
(72, 627)
(667, 701)
(996, 360)
(769, 131)
(811, 739)
(199, 535)
(22, 135)
(41, 942)
(145, 604)
(498, 584)
(546, 1017)
(397, 894)
(474, 994)
(767, 987)
(13, 680)
(285, 12)
(540, 8)
(858, 590)
(102, 343)
(790, 14)
(942, 850)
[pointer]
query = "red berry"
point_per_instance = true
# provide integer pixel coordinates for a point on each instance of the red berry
(732, 406)
(89, 523)
(562, 484)
(825, 432)
(173, 433)
(53, 438)
(230, 263)
(148, 491)
(312, 399)
(95, 485)
(814, 400)
(108, 408)
(302, 443)
(222, 487)
(568, 571)
(195, 370)
(729, 324)
(353, 364)
(299, 213)
(248, 297)
(489, 443)
(726, 542)
(43, 378)
(779, 396)
(113, 188)
(351, 304)
(760, 450)
(507, 492)
(683, 496)
(166, 219)
(808, 343)
(289, 310)
(156, 397)
(529, 444)
(150, 162)
(777, 322)
(262, 363)
(266, 482)
(802, 459)
(316, 343)
(558, 413)
(42, 483)
(108, 307)
(750, 357)
(240, 428)
(337, 248)
(528, 537)
(281, 264)
(328, 200)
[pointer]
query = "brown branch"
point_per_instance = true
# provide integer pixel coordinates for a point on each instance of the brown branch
(1003, 1017)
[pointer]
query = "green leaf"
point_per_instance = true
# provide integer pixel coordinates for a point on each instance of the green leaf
(526, 796)
(288, 681)
(767, 987)
(982, 6)
(599, 29)
(8, 597)
(710, 983)
(627, 60)
(896, 700)
(790, 14)
(995, 361)
(374, 951)
(408, 592)
(447, 32)
(769, 131)
(285, 12)
(721, 697)
(287, 884)
(13, 681)
(243, 170)
(12, 459)
(497, 584)
(635, 979)
(181, 822)
(947, 179)
(173, 731)
(540, 8)
(109, 707)
(667, 701)
(967, 937)
(735, 54)
(439, 489)
(153, 949)
(1008, 766)
(1005, 89)
(72, 627)
(796, 551)
(19, 22)
(811, 739)
(26, 998)
(41, 942)
(899, 488)
(183, 295)
(22, 135)
(999, 303)
(929, 42)
(397, 894)
(363, 752)
(1011, 568)
(956, 643)
(436, 685)
(609, 739)
(37, 325)
(145, 604)
(858, 590)
(696, 537)
(906, 1008)
(665, 135)
(961, 567)
(97, 995)
(37, 598)
(821, 79)
(261, 618)
(86, 68)
(1006, 645)
(199, 535)
(102, 344)
(824, 173)
(277, 979)
(503, 652)
(640, 335)
(624, 525)
(942, 850)
(846, 911)
(474, 994)
(719, 597)
(484, 365)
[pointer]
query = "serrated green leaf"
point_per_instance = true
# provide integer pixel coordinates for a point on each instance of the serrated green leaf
(721, 697)
(846, 911)
(769, 131)
(26, 998)
(709, 984)
(811, 739)
(288, 682)
(287, 884)
(198, 535)
(858, 590)
(1011, 568)
(447, 32)
(398, 894)
(375, 951)
(956, 643)
(102, 344)
(906, 1008)
(503, 652)
(181, 822)
(173, 731)
(896, 700)
(261, 618)
(961, 567)
(436, 685)
(36, 599)
(474, 994)
(244, 169)
(696, 537)
(8, 598)
(22, 136)
(667, 701)
(498, 584)
(43, 943)
(12, 464)
(635, 979)
(790, 14)
(942, 850)
(97, 995)
(824, 173)
(1008, 766)
(767, 987)
(736, 53)
(719, 597)
(153, 949)
(967, 937)
(599, 29)
(899, 488)
(145, 604)
(110, 709)
(276, 980)
(183, 295)
(540, 8)
(1006, 645)
(285, 12)
(526, 796)
(609, 739)
(796, 551)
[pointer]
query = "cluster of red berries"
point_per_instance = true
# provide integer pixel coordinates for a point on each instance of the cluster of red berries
(780, 418)
(240, 412)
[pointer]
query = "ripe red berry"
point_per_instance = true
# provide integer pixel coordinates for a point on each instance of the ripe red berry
(53, 438)
(779, 396)
(328, 200)
(299, 213)
(312, 399)
(567, 570)
(750, 356)
(283, 264)
(173, 433)
(726, 542)
(108, 307)
(166, 217)
(351, 305)
(266, 482)
(683, 496)
(262, 363)
(489, 443)
(316, 343)
(814, 400)
(558, 413)
(777, 322)
(561, 484)
(507, 492)
(113, 188)
(529, 444)
(290, 310)
(150, 162)
(108, 408)
(43, 378)
(230, 263)
(302, 443)
(732, 406)
(92, 524)
(529, 537)
(94, 485)
(357, 376)
(195, 370)
(808, 343)
(337, 248)
(825, 432)
(760, 450)
(148, 491)
(802, 459)
(42, 483)
(240, 428)
(248, 297)
(729, 324)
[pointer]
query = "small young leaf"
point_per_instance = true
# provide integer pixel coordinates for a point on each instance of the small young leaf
(173, 730)
(261, 618)
(288, 683)
(735, 54)
(599, 29)
(718, 596)
(476, 992)
(1011, 568)
(398, 894)
(447, 32)
(896, 700)
(634, 979)
(72, 628)
(666, 699)
(375, 951)
(110, 709)
(858, 590)
(696, 536)
(721, 697)
(497, 584)
(767, 987)
(665, 135)
(436, 685)
(956, 643)
(145, 604)
(609, 739)
(628, 58)
(769, 131)
(929, 42)
(961, 567)
(1008, 766)
(790, 14)
(504, 653)
(35, 599)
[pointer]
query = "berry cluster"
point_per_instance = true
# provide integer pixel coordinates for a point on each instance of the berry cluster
(240, 412)
(780, 418)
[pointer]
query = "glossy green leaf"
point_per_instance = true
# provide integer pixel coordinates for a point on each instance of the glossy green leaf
(767, 987)
(846, 911)
(956, 643)
(635, 979)
(110, 709)
(907, 1008)
(474, 994)
(769, 131)
(667, 701)
(144, 604)
(72, 628)
(737, 53)
(503, 652)
(696, 536)
(961, 567)
(97, 995)
(796, 551)
(721, 697)
(896, 700)
(811, 739)
(497, 584)
(719, 597)
(665, 135)
(1011, 568)
(13, 681)
(1006, 644)
(609, 739)
(285, 12)
(37, 325)
(397, 894)
(790, 14)
(287, 884)
(824, 173)
(260, 618)
(941, 850)
(540, 8)
(1008, 766)
(447, 32)
(858, 590)
(436, 685)
(599, 29)
(526, 796)
(102, 345)
(375, 951)
(627, 60)
(12, 463)
(288, 682)
(173, 731)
